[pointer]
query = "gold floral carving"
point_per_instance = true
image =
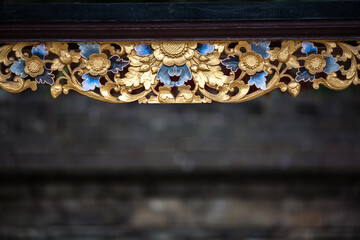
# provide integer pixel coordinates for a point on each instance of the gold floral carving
(315, 63)
(251, 63)
(34, 66)
(179, 71)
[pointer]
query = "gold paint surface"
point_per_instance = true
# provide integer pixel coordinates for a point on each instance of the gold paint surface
(315, 63)
(173, 49)
(227, 73)
(34, 66)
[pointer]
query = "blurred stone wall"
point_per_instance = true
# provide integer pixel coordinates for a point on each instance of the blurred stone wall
(273, 168)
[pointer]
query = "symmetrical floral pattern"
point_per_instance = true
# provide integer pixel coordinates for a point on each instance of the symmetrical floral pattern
(178, 71)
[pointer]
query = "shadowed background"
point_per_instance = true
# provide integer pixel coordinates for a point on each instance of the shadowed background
(276, 167)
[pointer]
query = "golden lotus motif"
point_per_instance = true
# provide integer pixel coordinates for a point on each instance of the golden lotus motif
(315, 63)
(251, 63)
(171, 53)
(173, 50)
(210, 69)
(34, 66)
(98, 64)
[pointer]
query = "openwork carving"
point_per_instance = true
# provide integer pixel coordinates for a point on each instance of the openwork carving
(179, 71)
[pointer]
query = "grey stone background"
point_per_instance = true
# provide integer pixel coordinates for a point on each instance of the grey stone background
(273, 168)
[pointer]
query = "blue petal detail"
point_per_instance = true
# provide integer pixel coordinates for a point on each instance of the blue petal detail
(18, 68)
(205, 48)
(165, 72)
(40, 51)
(261, 48)
(259, 80)
(46, 77)
(331, 65)
(308, 48)
(231, 62)
(143, 50)
(117, 64)
(88, 48)
(90, 81)
(304, 75)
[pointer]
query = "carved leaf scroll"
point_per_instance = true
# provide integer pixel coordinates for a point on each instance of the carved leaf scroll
(178, 71)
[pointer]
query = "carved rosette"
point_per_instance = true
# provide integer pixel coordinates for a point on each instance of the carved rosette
(178, 71)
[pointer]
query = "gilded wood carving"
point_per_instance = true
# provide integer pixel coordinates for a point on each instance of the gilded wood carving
(179, 71)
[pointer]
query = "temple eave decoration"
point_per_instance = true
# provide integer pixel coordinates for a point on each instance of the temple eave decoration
(178, 71)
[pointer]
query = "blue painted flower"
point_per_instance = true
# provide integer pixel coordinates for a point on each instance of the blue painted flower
(182, 73)
(315, 63)
(259, 80)
(34, 66)
(143, 50)
(252, 63)
(98, 65)
(174, 58)
(205, 48)
(231, 62)
(90, 82)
